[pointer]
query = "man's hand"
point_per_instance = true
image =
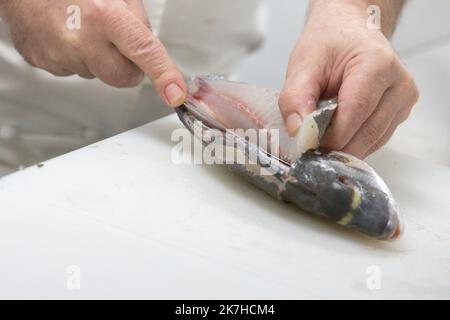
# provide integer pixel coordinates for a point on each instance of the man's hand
(338, 54)
(114, 43)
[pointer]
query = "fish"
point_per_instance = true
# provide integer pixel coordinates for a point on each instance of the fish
(329, 184)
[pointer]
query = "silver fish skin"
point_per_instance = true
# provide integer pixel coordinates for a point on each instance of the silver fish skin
(332, 185)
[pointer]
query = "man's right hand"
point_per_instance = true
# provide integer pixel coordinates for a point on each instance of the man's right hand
(114, 43)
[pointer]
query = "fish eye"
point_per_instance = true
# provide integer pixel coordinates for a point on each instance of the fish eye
(345, 180)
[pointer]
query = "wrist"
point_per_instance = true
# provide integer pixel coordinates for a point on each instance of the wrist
(358, 12)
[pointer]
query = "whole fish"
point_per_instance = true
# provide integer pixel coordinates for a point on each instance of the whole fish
(331, 185)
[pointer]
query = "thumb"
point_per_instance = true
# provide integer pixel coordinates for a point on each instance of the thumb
(134, 39)
(300, 94)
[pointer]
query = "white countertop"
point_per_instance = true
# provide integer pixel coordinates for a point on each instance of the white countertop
(138, 226)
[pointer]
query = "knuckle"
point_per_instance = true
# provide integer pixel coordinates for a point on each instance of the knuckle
(338, 144)
(166, 77)
(403, 116)
(335, 144)
(370, 134)
(116, 82)
(115, 21)
(28, 55)
(97, 9)
(151, 53)
(358, 107)
(134, 79)
(333, 140)
(407, 79)
(146, 47)
(411, 87)
(286, 98)
(415, 94)
(108, 77)
(59, 63)
(60, 72)
(86, 75)
(161, 72)
(113, 81)
(83, 71)
(36, 61)
(54, 60)
(30, 59)
(124, 77)
(374, 148)
(73, 41)
(387, 59)
(114, 17)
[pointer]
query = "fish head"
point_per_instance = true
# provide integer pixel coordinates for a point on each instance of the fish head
(345, 189)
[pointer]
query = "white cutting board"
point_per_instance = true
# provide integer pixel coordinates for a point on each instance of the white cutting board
(135, 225)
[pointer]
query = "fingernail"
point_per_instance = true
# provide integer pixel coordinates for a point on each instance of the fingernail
(293, 123)
(175, 95)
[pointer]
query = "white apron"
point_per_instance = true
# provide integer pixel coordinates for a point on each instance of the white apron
(42, 116)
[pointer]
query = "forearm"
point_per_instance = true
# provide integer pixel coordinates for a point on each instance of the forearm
(390, 10)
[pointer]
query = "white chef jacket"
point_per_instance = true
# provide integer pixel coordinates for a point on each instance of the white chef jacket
(42, 116)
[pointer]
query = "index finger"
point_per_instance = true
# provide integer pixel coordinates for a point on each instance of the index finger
(137, 42)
